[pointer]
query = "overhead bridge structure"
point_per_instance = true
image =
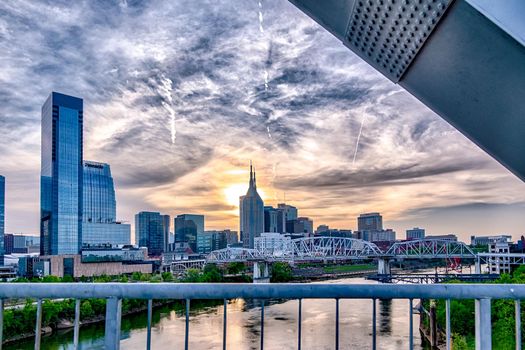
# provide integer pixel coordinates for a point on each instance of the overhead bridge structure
(338, 248)
(464, 59)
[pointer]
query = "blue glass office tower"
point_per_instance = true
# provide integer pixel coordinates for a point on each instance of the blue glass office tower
(2, 218)
(99, 204)
(149, 231)
(99, 224)
(187, 229)
(61, 175)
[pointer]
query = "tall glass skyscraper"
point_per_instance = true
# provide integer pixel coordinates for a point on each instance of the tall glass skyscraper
(99, 224)
(187, 229)
(149, 231)
(251, 213)
(2, 219)
(61, 175)
(99, 193)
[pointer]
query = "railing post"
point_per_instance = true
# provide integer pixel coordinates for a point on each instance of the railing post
(76, 329)
(374, 324)
(224, 324)
(187, 330)
(483, 325)
(337, 324)
(150, 314)
(262, 325)
(411, 325)
(448, 330)
(113, 317)
(38, 326)
(517, 305)
(1, 322)
(299, 324)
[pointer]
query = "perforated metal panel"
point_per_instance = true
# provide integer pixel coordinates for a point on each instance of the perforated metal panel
(389, 33)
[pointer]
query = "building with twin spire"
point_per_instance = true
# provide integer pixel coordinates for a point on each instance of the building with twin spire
(251, 209)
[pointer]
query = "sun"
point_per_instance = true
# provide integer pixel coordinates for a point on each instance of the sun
(234, 191)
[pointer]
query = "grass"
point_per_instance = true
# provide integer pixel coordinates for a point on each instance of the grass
(348, 268)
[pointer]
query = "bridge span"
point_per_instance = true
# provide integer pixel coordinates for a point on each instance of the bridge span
(339, 248)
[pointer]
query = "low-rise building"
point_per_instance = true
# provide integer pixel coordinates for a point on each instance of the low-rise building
(273, 243)
(415, 233)
(499, 263)
(487, 240)
(449, 237)
(93, 261)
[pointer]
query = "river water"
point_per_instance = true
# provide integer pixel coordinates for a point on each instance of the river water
(280, 327)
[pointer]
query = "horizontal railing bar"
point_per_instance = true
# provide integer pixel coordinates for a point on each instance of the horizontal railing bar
(258, 291)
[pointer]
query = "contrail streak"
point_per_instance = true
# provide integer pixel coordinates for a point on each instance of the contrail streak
(358, 138)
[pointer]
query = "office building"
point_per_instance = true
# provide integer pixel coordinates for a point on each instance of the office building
(99, 218)
(449, 237)
(273, 220)
(205, 242)
(487, 240)
(61, 179)
(187, 228)
(302, 225)
(415, 233)
(322, 228)
(273, 244)
(370, 222)
(166, 226)
(20, 244)
(251, 208)
(290, 211)
(221, 239)
(149, 232)
(387, 235)
(2, 219)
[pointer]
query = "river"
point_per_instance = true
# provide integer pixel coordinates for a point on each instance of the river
(280, 327)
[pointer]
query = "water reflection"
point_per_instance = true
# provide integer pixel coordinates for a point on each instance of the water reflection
(385, 309)
(280, 328)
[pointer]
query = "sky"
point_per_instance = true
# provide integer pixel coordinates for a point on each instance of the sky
(180, 95)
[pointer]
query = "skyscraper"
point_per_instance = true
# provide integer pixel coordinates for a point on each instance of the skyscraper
(2, 219)
(61, 175)
(370, 222)
(99, 222)
(187, 229)
(415, 233)
(289, 210)
(251, 213)
(149, 232)
(271, 220)
(166, 225)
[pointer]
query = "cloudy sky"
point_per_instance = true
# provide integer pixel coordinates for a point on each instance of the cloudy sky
(180, 95)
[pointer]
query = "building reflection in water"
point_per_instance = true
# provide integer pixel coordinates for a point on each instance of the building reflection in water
(385, 319)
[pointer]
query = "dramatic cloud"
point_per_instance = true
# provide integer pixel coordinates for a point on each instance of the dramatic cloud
(180, 95)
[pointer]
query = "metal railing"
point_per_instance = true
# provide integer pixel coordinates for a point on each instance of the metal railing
(115, 292)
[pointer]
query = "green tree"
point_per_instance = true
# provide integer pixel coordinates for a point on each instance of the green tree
(167, 277)
(235, 268)
(281, 272)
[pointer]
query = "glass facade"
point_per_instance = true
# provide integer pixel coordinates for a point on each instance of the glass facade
(2, 218)
(61, 175)
(99, 204)
(251, 210)
(99, 225)
(94, 234)
(187, 228)
(149, 232)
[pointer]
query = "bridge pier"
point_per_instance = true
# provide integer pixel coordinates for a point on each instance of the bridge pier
(478, 266)
(261, 272)
(383, 266)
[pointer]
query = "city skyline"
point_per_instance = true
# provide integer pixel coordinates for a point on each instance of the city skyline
(301, 130)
